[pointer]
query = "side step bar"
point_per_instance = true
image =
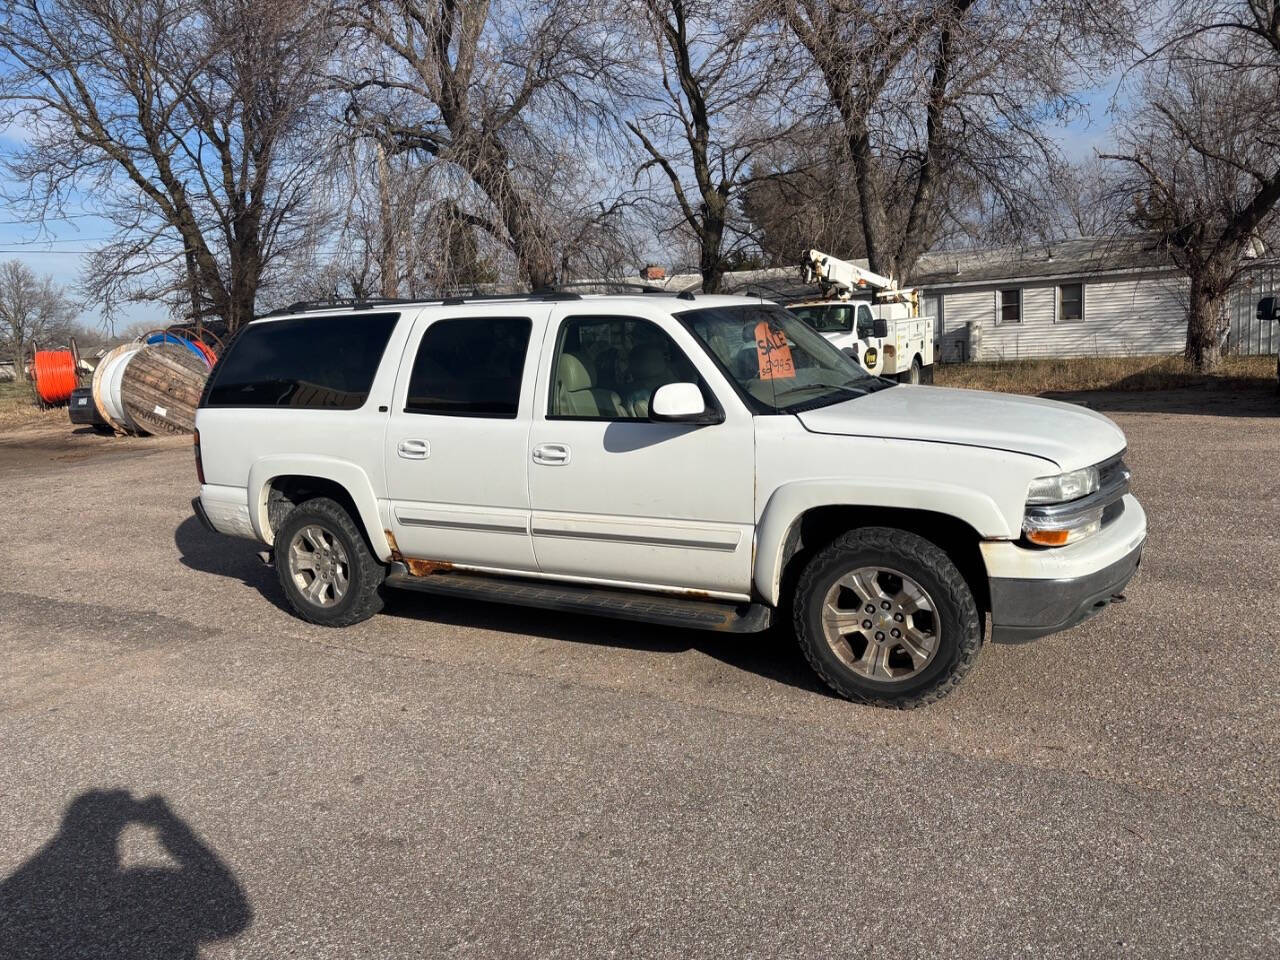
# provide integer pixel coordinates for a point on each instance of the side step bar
(671, 611)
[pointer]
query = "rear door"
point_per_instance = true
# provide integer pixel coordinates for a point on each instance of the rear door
(617, 497)
(458, 434)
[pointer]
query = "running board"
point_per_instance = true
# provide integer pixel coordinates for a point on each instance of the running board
(668, 610)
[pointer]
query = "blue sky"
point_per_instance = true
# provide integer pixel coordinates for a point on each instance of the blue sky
(58, 249)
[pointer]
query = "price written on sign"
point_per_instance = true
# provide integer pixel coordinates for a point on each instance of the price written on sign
(773, 353)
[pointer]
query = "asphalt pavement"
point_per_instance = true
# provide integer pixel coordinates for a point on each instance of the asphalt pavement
(188, 770)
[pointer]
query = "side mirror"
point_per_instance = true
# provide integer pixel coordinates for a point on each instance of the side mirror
(1267, 309)
(680, 403)
(880, 328)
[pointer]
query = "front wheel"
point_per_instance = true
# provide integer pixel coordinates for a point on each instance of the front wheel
(884, 617)
(326, 569)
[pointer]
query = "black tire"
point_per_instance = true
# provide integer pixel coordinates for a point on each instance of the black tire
(363, 596)
(959, 630)
(913, 375)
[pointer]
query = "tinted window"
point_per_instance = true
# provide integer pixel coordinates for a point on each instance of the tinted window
(470, 367)
(607, 368)
(866, 323)
(318, 361)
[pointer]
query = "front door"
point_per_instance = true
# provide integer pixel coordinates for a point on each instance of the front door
(617, 497)
(457, 480)
(870, 347)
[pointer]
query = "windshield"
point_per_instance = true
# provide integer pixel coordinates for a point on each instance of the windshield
(778, 363)
(826, 318)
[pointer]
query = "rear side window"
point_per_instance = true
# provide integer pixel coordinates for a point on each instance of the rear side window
(470, 367)
(311, 362)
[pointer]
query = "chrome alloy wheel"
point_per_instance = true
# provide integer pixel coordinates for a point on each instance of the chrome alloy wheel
(318, 565)
(881, 624)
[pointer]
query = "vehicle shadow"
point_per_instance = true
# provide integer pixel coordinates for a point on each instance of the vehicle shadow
(232, 557)
(772, 654)
(75, 898)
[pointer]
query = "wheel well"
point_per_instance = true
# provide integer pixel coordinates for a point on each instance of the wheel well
(818, 527)
(286, 492)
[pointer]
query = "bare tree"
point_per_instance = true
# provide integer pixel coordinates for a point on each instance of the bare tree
(477, 85)
(709, 104)
(938, 95)
(1082, 199)
(1201, 147)
(187, 123)
(32, 309)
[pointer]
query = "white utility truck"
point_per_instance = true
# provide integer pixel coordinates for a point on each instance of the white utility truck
(705, 462)
(869, 317)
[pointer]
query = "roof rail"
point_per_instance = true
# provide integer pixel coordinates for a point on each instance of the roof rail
(371, 303)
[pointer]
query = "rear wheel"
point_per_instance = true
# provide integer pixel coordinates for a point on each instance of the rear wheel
(915, 374)
(325, 567)
(884, 617)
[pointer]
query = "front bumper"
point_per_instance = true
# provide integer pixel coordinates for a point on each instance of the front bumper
(1035, 592)
(1023, 610)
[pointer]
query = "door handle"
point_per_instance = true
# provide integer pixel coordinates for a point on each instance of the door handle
(551, 454)
(414, 449)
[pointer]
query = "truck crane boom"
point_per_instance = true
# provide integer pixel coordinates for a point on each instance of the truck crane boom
(842, 278)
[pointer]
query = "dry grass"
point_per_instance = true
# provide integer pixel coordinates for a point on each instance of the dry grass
(18, 408)
(1105, 373)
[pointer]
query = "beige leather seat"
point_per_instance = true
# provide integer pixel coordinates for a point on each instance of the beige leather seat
(577, 396)
(648, 368)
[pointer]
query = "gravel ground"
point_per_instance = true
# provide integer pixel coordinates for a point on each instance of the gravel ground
(186, 769)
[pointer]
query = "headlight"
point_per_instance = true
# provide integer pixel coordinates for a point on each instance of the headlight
(1064, 486)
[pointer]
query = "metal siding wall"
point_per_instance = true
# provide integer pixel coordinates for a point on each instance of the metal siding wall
(1249, 335)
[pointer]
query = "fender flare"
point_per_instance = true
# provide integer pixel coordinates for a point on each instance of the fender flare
(791, 501)
(342, 472)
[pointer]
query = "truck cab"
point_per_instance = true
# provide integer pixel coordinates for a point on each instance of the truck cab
(706, 462)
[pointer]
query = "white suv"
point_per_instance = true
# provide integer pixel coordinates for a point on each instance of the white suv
(706, 462)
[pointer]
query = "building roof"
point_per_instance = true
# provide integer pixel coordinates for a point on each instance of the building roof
(1081, 257)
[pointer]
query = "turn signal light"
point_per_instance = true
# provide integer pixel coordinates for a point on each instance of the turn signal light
(195, 440)
(1049, 538)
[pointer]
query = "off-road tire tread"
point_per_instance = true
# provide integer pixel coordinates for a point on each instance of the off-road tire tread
(367, 573)
(893, 543)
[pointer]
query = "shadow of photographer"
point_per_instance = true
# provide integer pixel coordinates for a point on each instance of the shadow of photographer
(76, 898)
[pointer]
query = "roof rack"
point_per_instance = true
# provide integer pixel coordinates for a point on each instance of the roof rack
(372, 303)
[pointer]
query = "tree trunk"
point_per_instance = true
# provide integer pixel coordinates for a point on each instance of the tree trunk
(387, 260)
(1206, 307)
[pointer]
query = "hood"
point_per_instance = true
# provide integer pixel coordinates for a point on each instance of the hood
(1069, 435)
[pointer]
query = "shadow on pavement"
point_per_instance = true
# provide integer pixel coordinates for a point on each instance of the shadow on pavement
(1260, 400)
(231, 557)
(772, 654)
(75, 899)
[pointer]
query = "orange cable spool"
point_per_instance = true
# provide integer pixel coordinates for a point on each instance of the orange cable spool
(55, 375)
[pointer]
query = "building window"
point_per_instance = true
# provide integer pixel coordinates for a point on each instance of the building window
(1010, 306)
(1071, 301)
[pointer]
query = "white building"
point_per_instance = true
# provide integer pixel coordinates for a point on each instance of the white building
(1072, 298)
